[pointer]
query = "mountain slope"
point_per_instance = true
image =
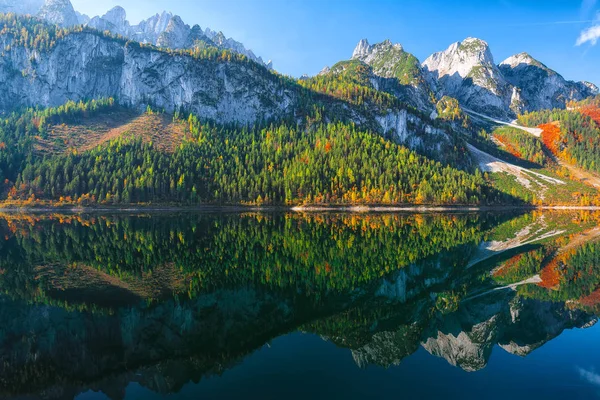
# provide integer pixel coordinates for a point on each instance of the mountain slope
(46, 67)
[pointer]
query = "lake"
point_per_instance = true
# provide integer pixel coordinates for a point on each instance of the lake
(296, 306)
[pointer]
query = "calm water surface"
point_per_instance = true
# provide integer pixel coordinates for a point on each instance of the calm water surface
(188, 306)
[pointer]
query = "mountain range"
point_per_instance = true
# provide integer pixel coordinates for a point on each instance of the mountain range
(466, 70)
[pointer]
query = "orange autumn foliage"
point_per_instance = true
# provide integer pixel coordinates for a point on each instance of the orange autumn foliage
(592, 299)
(551, 137)
(591, 111)
(550, 275)
(509, 146)
(508, 266)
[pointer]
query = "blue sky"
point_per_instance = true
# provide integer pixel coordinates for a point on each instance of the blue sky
(302, 36)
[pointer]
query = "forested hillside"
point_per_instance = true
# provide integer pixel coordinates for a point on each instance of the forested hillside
(571, 134)
(282, 164)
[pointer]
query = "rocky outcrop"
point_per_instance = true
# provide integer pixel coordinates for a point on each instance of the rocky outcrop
(176, 34)
(59, 12)
(168, 30)
(82, 18)
(149, 30)
(113, 21)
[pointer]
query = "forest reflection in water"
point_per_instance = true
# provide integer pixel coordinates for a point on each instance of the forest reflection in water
(98, 302)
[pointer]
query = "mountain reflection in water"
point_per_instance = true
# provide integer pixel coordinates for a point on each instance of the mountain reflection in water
(99, 302)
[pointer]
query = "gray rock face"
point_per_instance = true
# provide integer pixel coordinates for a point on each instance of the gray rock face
(149, 30)
(362, 50)
(87, 65)
(59, 12)
(539, 86)
(176, 34)
(116, 16)
(324, 71)
(168, 30)
(114, 21)
(82, 18)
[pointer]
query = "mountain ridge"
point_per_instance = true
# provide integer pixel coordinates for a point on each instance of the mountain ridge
(467, 71)
(62, 13)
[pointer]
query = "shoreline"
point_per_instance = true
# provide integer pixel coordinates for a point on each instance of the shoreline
(297, 209)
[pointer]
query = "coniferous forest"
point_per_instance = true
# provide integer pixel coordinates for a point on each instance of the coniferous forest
(279, 164)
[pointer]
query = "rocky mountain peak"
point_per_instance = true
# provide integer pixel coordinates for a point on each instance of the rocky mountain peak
(590, 86)
(467, 72)
(474, 45)
(82, 18)
(116, 16)
(384, 51)
(59, 12)
(219, 38)
(164, 30)
(176, 35)
(460, 58)
(395, 71)
(363, 49)
(522, 59)
(324, 71)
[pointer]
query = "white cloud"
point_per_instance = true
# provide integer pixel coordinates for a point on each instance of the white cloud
(590, 376)
(590, 35)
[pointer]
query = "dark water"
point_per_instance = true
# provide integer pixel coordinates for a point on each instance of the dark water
(188, 306)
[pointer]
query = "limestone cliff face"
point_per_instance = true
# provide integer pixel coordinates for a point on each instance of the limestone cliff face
(88, 65)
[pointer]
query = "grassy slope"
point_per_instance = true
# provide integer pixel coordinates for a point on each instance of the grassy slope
(94, 131)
